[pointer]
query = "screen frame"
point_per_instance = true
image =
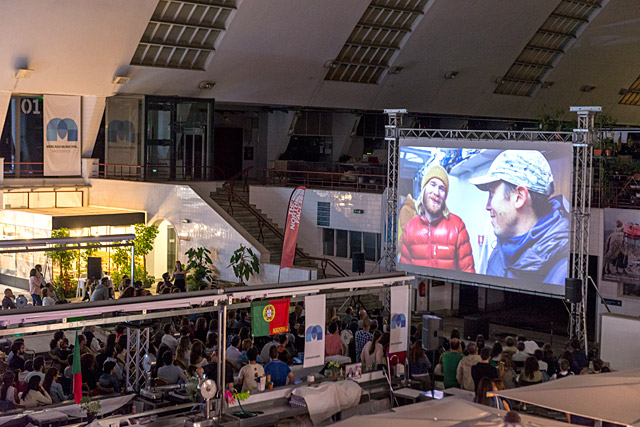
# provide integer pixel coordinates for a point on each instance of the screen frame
(475, 279)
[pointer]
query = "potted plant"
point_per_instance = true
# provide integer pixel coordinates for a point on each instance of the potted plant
(332, 370)
(245, 263)
(91, 407)
(200, 267)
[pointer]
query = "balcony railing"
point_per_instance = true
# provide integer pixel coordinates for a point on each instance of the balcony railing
(349, 180)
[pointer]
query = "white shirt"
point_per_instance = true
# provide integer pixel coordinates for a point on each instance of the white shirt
(520, 356)
(249, 373)
(542, 365)
(234, 355)
(170, 341)
(48, 301)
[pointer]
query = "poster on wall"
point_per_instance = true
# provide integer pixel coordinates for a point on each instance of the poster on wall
(121, 137)
(314, 330)
(62, 141)
(489, 212)
(399, 339)
(621, 251)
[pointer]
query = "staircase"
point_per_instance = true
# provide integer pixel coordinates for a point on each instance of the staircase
(248, 221)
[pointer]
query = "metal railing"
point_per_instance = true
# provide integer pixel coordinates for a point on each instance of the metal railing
(150, 172)
(117, 171)
(325, 180)
(263, 223)
(23, 169)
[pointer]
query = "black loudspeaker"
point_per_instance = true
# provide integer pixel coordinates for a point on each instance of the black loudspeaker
(94, 267)
(573, 290)
(357, 264)
(474, 326)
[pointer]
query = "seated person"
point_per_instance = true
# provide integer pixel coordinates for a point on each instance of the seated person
(170, 372)
(38, 369)
(46, 299)
(35, 394)
(8, 300)
(278, 370)
(16, 358)
(8, 391)
(251, 372)
(108, 381)
(332, 342)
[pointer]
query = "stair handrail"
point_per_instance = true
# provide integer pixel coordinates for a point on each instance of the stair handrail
(261, 220)
(229, 183)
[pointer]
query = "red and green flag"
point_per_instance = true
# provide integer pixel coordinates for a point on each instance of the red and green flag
(270, 317)
(77, 372)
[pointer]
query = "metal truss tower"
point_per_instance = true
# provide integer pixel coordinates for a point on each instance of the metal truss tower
(392, 136)
(137, 347)
(584, 139)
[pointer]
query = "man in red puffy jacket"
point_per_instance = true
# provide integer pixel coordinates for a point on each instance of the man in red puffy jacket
(436, 237)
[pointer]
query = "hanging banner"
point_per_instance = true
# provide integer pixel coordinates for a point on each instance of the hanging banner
(314, 321)
(399, 340)
(294, 212)
(121, 136)
(270, 317)
(62, 145)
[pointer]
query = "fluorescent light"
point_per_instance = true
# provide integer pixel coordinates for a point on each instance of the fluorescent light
(121, 80)
(23, 73)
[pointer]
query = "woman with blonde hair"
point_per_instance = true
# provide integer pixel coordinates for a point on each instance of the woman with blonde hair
(505, 370)
(183, 352)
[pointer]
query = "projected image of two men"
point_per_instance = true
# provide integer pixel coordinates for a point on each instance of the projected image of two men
(472, 213)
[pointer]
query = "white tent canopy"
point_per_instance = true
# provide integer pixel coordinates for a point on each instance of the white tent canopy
(449, 411)
(612, 397)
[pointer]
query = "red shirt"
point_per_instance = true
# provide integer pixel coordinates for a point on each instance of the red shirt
(332, 345)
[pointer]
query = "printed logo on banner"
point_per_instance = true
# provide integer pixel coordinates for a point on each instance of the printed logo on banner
(121, 130)
(62, 128)
(398, 321)
(269, 313)
(314, 333)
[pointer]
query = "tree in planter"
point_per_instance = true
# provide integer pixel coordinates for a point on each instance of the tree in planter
(64, 282)
(245, 263)
(121, 257)
(200, 267)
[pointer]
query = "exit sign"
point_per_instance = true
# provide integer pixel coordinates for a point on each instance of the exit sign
(358, 211)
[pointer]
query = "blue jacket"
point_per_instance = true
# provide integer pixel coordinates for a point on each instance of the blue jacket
(539, 255)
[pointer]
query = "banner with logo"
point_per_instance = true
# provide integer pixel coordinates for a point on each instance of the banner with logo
(121, 136)
(62, 144)
(270, 317)
(399, 327)
(314, 323)
(294, 212)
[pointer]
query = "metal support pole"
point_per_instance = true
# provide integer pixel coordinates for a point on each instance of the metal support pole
(392, 136)
(222, 343)
(133, 262)
(584, 138)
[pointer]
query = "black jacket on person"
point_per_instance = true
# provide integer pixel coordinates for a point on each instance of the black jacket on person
(481, 370)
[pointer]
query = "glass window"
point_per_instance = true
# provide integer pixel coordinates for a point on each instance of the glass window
(42, 200)
(68, 199)
(355, 242)
(16, 200)
(341, 243)
(370, 246)
(327, 241)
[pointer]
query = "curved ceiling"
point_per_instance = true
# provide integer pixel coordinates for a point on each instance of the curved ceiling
(276, 52)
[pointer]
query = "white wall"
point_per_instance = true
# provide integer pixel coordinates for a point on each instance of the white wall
(273, 202)
(620, 341)
(176, 203)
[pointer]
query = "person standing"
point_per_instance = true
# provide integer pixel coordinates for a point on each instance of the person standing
(179, 276)
(34, 287)
(435, 237)
(463, 374)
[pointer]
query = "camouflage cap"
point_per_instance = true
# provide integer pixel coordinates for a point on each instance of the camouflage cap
(528, 168)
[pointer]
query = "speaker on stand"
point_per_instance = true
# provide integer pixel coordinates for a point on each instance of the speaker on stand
(357, 262)
(94, 267)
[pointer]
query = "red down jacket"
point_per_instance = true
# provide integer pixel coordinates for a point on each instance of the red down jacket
(443, 243)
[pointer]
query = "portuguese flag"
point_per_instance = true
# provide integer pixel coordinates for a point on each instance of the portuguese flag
(77, 372)
(270, 317)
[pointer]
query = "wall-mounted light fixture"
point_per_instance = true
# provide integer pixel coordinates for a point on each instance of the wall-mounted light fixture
(450, 75)
(395, 70)
(205, 85)
(623, 92)
(547, 85)
(23, 73)
(331, 64)
(587, 88)
(121, 80)
(186, 221)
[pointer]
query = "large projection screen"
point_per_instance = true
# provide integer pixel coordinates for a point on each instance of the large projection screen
(486, 212)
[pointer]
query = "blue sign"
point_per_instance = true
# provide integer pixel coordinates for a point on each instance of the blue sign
(398, 321)
(610, 301)
(62, 128)
(314, 333)
(122, 130)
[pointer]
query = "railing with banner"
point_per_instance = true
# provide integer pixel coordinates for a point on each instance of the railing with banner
(263, 223)
(349, 180)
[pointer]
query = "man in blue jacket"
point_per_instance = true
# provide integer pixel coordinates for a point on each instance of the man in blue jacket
(532, 228)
